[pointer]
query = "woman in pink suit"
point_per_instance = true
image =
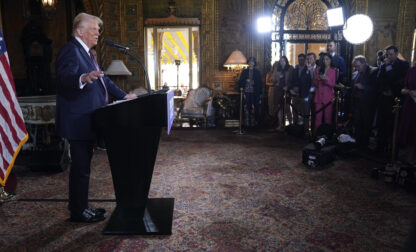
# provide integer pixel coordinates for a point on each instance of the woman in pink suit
(324, 82)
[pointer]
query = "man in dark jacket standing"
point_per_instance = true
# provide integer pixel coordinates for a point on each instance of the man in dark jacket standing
(301, 79)
(82, 88)
(390, 83)
(250, 82)
(364, 95)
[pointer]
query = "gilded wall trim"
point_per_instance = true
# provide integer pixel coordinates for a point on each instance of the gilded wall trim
(405, 27)
(100, 46)
(208, 45)
(256, 39)
(89, 6)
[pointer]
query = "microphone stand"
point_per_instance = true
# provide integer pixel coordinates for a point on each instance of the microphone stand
(124, 51)
(240, 126)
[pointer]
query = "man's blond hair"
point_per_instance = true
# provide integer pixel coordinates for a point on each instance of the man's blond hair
(81, 18)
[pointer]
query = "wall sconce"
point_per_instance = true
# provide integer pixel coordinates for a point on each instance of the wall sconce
(236, 62)
(117, 68)
(48, 3)
(48, 7)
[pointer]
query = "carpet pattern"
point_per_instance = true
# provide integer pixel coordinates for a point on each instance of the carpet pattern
(232, 193)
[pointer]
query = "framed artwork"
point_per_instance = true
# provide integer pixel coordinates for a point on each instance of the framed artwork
(217, 86)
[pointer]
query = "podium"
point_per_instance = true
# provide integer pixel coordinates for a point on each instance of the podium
(131, 130)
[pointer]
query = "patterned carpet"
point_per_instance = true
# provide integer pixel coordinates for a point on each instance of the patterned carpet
(232, 193)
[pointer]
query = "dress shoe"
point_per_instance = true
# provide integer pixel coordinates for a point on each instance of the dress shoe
(5, 196)
(87, 216)
(98, 211)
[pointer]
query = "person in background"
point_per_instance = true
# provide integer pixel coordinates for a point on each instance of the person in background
(82, 88)
(284, 75)
(311, 63)
(364, 95)
(320, 58)
(301, 84)
(337, 60)
(272, 79)
(324, 82)
(390, 82)
(407, 130)
(250, 82)
(380, 58)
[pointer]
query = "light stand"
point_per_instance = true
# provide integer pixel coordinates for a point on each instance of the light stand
(391, 171)
(178, 91)
(396, 110)
(337, 105)
(240, 126)
(284, 109)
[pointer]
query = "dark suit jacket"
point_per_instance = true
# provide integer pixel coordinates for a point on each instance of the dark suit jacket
(74, 106)
(339, 63)
(256, 77)
(391, 77)
(303, 82)
(368, 79)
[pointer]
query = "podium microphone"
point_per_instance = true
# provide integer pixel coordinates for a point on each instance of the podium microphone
(123, 50)
(111, 43)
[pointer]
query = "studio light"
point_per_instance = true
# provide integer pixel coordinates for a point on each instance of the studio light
(358, 29)
(335, 17)
(264, 24)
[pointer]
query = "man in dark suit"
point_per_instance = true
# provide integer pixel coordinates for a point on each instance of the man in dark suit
(301, 79)
(390, 82)
(364, 96)
(82, 88)
(338, 61)
(250, 81)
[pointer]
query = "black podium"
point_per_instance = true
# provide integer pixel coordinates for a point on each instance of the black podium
(131, 130)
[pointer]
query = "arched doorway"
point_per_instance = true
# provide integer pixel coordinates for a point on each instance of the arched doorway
(300, 26)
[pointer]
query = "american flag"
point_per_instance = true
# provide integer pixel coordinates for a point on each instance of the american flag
(13, 132)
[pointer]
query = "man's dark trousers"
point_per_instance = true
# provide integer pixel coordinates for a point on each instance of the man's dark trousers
(79, 175)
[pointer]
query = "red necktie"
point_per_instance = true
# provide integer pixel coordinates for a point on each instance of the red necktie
(101, 79)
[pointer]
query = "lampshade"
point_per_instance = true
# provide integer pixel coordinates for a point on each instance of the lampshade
(236, 59)
(117, 67)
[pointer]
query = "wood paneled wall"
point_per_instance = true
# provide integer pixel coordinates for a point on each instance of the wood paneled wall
(225, 26)
(394, 23)
(16, 14)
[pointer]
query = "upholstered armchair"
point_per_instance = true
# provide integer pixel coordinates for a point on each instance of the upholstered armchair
(198, 106)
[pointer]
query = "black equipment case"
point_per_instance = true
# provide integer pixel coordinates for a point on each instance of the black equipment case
(317, 157)
(296, 130)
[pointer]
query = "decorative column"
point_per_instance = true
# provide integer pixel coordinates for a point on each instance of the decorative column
(209, 35)
(405, 27)
(256, 9)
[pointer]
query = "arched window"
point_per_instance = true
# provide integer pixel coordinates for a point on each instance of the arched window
(300, 26)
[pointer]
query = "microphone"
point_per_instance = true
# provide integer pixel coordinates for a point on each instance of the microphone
(123, 50)
(111, 43)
